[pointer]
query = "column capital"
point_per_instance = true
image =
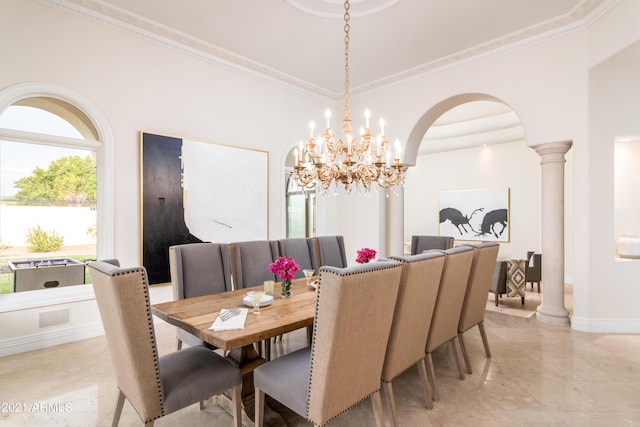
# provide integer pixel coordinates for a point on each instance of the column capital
(553, 149)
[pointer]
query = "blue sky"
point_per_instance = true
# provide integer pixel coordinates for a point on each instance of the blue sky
(18, 160)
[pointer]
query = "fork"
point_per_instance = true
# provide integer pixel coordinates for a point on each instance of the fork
(229, 314)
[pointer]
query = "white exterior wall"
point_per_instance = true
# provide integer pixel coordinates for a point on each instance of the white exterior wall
(140, 84)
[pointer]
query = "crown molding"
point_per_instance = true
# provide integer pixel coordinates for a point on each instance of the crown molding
(582, 15)
(147, 29)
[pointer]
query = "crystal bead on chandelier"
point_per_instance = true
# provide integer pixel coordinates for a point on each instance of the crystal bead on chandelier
(360, 161)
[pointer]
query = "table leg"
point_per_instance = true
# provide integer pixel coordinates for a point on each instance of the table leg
(247, 359)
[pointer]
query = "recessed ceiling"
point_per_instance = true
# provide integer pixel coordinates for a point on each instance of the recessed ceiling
(390, 39)
(301, 43)
(474, 124)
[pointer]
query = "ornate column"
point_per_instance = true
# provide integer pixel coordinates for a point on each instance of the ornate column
(552, 309)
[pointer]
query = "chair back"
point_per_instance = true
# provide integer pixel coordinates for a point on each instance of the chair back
(416, 300)
(424, 243)
(199, 269)
(250, 262)
(479, 283)
(122, 295)
(331, 251)
(354, 311)
(453, 286)
(302, 250)
(534, 267)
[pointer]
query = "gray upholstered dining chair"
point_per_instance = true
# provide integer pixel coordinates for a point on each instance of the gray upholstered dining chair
(331, 251)
(250, 262)
(534, 269)
(446, 314)
(343, 366)
(154, 385)
(475, 299)
(416, 300)
(420, 244)
(302, 250)
(198, 269)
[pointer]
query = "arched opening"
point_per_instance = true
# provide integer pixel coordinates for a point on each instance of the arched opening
(473, 142)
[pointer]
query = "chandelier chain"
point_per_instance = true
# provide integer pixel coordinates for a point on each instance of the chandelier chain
(347, 109)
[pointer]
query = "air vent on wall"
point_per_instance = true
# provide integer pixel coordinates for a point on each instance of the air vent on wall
(53, 318)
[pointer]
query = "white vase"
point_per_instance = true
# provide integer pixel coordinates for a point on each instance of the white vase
(628, 246)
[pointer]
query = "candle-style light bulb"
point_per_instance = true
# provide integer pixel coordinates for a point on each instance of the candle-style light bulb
(327, 114)
(312, 126)
(295, 153)
(367, 114)
(398, 149)
(381, 126)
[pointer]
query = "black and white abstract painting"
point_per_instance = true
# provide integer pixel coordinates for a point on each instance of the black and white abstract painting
(477, 215)
(194, 191)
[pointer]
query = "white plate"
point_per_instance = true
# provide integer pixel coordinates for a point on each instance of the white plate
(266, 300)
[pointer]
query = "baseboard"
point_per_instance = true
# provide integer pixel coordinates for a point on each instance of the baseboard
(45, 339)
(607, 326)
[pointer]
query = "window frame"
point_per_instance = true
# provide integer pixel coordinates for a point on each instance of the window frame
(310, 207)
(103, 148)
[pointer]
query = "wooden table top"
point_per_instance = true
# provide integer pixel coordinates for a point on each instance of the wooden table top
(196, 315)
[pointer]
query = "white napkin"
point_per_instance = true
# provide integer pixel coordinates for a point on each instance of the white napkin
(233, 323)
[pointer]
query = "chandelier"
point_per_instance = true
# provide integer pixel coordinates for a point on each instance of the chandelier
(359, 161)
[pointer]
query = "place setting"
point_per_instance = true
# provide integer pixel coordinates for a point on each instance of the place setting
(230, 319)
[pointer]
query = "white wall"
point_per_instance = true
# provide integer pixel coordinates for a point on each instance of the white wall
(513, 166)
(612, 284)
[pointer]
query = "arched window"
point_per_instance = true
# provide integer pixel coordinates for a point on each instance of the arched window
(52, 170)
(301, 210)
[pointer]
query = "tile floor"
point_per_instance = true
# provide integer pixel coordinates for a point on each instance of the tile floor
(539, 375)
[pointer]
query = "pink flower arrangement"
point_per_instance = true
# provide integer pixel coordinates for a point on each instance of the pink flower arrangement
(365, 255)
(285, 267)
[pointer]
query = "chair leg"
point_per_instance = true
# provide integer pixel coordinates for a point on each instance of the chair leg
(422, 369)
(236, 401)
(497, 299)
(456, 355)
(522, 300)
(202, 405)
(267, 349)
(388, 390)
(467, 363)
(376, 401)
(259, 403)
(118, 412)
(179, 344)
(431, 373)
(538, 287)
(485, 341)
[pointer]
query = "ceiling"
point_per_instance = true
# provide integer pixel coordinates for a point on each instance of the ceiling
(301, 42)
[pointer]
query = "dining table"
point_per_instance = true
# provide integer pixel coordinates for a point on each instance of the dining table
(196, 315)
